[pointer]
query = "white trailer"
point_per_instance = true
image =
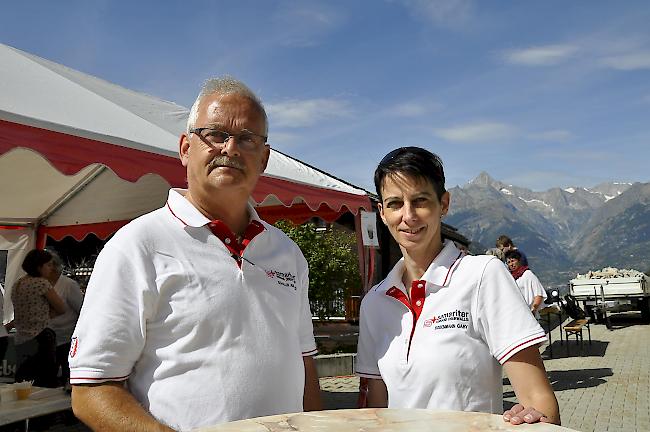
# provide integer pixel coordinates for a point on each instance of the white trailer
(615, 294)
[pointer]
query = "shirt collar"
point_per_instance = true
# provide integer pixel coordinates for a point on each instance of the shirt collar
(438, 273)
(184, 211)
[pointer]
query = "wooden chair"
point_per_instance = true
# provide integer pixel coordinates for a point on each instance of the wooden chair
(574, 328)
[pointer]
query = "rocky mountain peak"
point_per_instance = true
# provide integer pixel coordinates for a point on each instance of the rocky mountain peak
(483, 179)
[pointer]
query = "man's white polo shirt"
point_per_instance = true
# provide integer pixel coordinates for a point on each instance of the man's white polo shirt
(444, 348)
(200, 339)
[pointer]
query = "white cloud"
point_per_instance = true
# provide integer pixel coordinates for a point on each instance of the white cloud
(284, 140)
(444, 13)
(540, 55)
(301, 113)
(478, 132)
(552, 135)
(628, 61)
(413, 109)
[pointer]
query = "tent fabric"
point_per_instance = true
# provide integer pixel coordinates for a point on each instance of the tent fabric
(79, 154)
(17, 241)
(74, 119)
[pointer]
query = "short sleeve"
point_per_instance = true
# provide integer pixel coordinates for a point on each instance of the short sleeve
(367, 363)
(110, 333)
(504, 319)
(536, 286)
(307, 341)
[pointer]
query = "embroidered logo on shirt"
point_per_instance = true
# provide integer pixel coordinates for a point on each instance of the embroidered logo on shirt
(74, 342)
(283, 278)
(430, 322)
(448, 320)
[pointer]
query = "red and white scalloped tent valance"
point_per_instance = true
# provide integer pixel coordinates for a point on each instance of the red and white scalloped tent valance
(80, 155)
(77, 154)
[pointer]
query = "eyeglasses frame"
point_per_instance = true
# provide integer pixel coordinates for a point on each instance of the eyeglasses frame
(198, 131)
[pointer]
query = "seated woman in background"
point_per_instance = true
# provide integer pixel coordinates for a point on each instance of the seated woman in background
(437, 331)
(35, 301)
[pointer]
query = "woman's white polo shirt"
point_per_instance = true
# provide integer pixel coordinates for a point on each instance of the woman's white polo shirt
(444, 348)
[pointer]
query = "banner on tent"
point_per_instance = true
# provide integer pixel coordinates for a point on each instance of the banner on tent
(369, 229)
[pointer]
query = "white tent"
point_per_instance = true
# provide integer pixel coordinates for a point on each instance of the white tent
(80, 155)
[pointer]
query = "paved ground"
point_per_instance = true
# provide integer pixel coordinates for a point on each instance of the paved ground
(605, 388)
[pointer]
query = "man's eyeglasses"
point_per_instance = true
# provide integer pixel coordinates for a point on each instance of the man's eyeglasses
(246, 140)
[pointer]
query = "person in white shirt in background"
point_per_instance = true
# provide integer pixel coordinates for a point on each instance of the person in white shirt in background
(63, 325)
(529, 285)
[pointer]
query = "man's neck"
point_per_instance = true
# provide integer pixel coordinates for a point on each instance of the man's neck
(231, 210)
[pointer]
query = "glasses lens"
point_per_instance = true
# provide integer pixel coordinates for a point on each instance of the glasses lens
(247, 140)
(215, 136)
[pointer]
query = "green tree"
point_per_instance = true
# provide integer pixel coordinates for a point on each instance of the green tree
(333, 265)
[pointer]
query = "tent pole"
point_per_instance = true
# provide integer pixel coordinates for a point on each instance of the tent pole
(74, 190)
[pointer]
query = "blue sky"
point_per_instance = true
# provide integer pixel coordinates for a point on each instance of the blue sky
(538, 94)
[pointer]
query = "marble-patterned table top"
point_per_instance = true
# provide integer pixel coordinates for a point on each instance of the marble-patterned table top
(380, 420)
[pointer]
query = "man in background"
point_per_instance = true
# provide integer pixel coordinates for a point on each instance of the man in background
(63, 325)
(505, 244)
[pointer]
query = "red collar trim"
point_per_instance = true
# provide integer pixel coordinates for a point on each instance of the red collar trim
(229, 239)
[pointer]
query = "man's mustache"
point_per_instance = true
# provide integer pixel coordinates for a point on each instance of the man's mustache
(225, 161)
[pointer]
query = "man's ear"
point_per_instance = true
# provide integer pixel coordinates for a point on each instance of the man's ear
(265, 157)
(184, 148)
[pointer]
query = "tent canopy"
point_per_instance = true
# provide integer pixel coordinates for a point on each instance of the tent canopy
(77, 150)
(80, 155)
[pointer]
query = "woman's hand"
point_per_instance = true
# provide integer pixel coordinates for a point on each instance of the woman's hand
(518, 415)
(528, 377)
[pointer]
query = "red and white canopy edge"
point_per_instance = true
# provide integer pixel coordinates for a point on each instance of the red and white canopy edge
(80, 155)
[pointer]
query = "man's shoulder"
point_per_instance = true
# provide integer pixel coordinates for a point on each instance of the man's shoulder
(142, 232)
(143, 226)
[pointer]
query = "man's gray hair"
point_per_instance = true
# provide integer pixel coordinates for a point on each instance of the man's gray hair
(224, 85)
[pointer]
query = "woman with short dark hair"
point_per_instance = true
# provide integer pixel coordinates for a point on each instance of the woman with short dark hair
(438, 330)
(35, 301)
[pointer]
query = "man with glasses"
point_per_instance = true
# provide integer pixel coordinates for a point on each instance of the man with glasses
(197, 313)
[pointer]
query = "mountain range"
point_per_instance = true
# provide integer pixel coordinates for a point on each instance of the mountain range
(562, 231)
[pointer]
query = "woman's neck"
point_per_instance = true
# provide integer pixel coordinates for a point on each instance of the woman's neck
(416, 263)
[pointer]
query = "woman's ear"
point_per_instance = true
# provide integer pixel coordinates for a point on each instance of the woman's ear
(381, 213)
(444, 203)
